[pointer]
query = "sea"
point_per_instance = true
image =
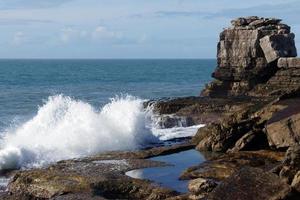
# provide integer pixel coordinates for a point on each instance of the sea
(52, 110)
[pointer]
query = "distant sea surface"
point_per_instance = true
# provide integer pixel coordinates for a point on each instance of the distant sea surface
(59, 109)
(25, 84)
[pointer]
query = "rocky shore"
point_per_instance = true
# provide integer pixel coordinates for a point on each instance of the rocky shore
(250, 142)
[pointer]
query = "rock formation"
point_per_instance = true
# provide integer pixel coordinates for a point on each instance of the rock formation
(247, 55)
(257, 90)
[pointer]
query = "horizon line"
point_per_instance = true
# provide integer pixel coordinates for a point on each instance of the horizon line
(108, 58)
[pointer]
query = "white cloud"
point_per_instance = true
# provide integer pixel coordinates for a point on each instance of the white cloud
(68, 34)
(102, 33)
(18, 38)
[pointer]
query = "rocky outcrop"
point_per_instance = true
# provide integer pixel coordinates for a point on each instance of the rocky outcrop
(285, 132)
(247, 55)
(219, 167)
(98, 177)
(251, 183)
(201, 187)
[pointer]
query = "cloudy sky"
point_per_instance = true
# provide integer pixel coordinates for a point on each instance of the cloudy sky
(127, 28)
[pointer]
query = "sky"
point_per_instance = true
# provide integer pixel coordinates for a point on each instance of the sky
(127, 28)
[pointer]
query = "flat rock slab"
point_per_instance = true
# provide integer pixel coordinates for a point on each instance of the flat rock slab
(218, 167)
(251, 183)
(283, 128)
(97, 177)
(289, 62)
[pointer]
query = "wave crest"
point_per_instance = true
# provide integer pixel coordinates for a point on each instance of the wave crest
(65, 128)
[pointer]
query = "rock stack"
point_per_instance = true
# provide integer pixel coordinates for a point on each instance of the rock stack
(247, 55)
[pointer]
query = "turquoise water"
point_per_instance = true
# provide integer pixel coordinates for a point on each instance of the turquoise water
(169, 176)
(26, 84)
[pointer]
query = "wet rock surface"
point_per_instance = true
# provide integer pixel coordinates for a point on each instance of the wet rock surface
(99, 177)
(251, 183)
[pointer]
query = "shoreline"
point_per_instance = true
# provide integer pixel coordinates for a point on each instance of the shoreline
(250, 143)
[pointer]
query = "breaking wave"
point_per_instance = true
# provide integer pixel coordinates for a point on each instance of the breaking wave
(65, 128)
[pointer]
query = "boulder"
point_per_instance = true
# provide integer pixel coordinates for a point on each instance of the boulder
(284, 132)
(251, 183)
(278, 45)
(201, 187)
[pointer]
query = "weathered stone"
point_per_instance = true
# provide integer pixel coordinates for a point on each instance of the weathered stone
(97, 177)
(201, 186)
(290, 165)
(251, 141)
(285, 132)
(289, 62)
(264, 22)
(218, 167)
(239, 22)
(251, 183)
(296, 182)
(246, 55)
(278, 45)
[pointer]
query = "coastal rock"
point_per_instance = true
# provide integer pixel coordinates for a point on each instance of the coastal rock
(201, 187)
(283, 129)
(225, 134)
(97, 177)
(296, 182)
(246, 55)
(289, 62)
(278, 45)
(251, 141)
(291, 165)
(218, 167)
(284, 133)
(251, 183)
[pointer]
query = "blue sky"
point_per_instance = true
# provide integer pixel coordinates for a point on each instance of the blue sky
(127, 28)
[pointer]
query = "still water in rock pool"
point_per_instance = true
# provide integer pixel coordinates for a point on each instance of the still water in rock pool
(169, 176)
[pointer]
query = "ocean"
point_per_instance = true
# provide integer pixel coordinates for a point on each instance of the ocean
(59, 109)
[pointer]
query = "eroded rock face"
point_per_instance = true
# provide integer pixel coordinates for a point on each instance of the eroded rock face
(251, 183)
(284, 133)
(278, 45)
(201, 187)
(290, 166)
(247, 55)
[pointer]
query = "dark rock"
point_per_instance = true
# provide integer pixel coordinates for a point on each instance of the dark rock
(251, 141)
(223, 135)
(278, 45)
(291, 164)
(296, 182)
(251, 183)
(264, 22)
(218, 167)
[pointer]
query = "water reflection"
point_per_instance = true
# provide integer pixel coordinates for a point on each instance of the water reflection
(169, 176)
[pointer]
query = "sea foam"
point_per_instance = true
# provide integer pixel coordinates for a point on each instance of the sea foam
(65, 128)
